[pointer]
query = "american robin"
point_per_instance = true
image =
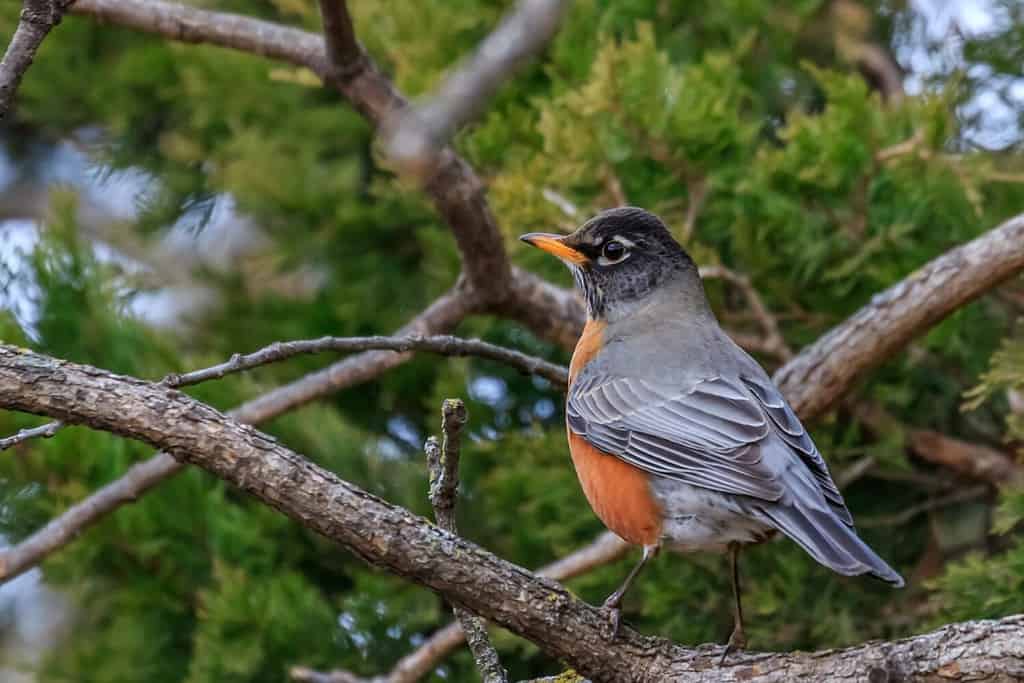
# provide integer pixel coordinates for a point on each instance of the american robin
(678, 436)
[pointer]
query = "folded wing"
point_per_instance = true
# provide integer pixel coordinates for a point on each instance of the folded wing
(732, 435)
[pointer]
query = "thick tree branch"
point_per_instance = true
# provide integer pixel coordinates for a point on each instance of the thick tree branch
(824, 371)
(443, 464)
(440, 316)
(468, 576)
(38, 17)
(420, 132)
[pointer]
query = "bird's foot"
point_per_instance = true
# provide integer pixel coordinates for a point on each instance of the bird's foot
(737, 641)
(614, 615)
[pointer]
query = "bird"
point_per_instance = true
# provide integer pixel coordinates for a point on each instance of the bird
(679, 437)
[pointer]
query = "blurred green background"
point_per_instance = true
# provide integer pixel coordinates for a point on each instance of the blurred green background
(163, 206)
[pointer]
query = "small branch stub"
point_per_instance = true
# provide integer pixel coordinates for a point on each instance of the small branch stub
(443, 466)
(45, 431)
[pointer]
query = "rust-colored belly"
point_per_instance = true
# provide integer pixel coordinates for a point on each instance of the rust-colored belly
(619, 493)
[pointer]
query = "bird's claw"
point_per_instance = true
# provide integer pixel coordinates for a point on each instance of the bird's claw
(614, 615)
(737, 641)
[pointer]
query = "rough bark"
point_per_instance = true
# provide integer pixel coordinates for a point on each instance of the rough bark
(468, 576)
(38, 17)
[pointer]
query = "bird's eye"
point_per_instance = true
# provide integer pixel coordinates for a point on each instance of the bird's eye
(613, 251)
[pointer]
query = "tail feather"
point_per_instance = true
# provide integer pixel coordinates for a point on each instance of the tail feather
(830, 542)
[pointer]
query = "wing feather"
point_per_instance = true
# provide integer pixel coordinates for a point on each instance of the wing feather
(714, 434)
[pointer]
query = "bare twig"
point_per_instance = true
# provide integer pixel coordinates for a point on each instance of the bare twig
(900, 149)
(855, 471)
(697, 189)
(302, 674)
(613, 185)
(852, 27)
(45, 431)
(907, 514)
(977, 461)
(394, 539)
(772, 341)
(563, 203)
(420, 133)
(444, 345)
(881, 70)
(443, 464)
(38, 17)
(343, 50)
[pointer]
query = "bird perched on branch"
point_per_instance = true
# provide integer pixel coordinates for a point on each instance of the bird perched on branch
(679, 438)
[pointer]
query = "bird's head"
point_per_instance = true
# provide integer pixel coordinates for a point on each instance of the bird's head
(619, 258)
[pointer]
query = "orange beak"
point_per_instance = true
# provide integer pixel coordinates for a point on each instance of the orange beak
(554, 244)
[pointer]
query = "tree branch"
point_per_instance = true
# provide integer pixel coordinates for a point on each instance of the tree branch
(454, 188)
(45, 431)
(38, 17)
(344, 52)
(440, 316)
(772, 341)
(468, 576)
(443, 464)
(604, 549)
(876, 332)
(976, 461)
(852, 28)
(907, 514)
(444, 345)
(420, 132)
(824, 371)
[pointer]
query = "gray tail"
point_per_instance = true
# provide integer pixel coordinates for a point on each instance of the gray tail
(831, 542)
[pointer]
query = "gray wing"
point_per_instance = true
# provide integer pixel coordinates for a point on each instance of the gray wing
(733, 435)
(717, 434)
(788, 426)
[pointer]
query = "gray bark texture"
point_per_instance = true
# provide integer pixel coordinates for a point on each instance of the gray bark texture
(396, 540)
(38, 17)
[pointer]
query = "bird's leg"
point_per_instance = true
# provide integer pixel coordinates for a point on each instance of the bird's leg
(738, 639)
(613, 602)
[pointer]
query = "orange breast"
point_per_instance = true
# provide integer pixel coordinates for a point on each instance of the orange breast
(618, 492)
